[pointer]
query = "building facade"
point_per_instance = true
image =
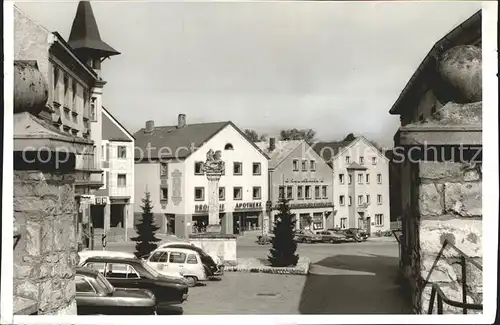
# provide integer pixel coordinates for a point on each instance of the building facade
(360, 184)
(168, 165)
(299, 174)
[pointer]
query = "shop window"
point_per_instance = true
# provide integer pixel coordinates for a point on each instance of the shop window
(237, 193)
(317, 221)
(222, 193)
(343, 223)
(199, 193)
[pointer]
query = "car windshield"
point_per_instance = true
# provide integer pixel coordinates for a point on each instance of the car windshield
(150, 269)
(101, 280)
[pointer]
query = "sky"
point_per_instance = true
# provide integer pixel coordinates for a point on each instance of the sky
(335, 67)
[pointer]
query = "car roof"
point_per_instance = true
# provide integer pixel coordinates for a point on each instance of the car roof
(175, 243)
(111, 259)
(176, 249)
(96, 253)
(86, 271)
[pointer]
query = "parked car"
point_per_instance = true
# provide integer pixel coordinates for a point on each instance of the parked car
(332, 236)
(188, 262)
(96, 296)
(356, 234)
(125, 272)
(84, 255)
(307, 236)
(214, 263)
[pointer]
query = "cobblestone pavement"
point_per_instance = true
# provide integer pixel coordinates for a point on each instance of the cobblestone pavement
(357, 278)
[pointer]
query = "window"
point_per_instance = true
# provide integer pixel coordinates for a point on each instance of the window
(191, 259)
(176, 257)
(237, 168)
(317, 192)
(122, 180)
(163, 169)
(350, 200)
(93, 114)
(379, 220)
(360, 178)
(350, 179)
(347, 159)
(256, 168)
(317, 221)
(308, 191)
(379, 178)
(73, 93)
(66, 86)
(341, 178)
(367, 198)
(237, 193)
(367, 178)
(164, 194)
(222, 193)
(56, 78)
(313, 165)
(379, 198)
(343, 223)
(198, 168)
(122, 152)
(304, 165)
(325, 192)
(361, 160)
(342, 200)
(103, 153)
(295, 165)
(159, 257)
(281, 192)
(96, 266)
(256, 193)
(199, 193)
(228, 147)
(374, 160)
(83, 286)
(360, 199)
(289, 192)
(121, 271)
(300, 192)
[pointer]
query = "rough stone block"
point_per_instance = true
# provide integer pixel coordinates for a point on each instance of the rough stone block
(47, 236)
(67, 198)
(26, 289)
(465, 234)
(51, 258)
(46, 190)
(33, 238)
(430, 199)
(23, 189)
(22, 270)
(474, 277)
(442, 272)
(464, 199)
(69, 290)
(62, 233)
(440, 170)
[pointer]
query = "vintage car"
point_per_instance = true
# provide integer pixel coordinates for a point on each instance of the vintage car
(356, 234)
(125, 272)
(96, 296)
(84, 255)
(332, 236)
(213, 263)
(307, 236)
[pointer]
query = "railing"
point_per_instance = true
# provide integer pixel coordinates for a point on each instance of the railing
(441, 296)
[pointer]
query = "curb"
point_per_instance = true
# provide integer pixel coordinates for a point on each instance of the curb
(299, 269)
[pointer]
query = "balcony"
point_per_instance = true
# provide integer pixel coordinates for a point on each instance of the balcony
(362, 207)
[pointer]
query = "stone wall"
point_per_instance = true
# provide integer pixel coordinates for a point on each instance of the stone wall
(449, 207)
(46, 254)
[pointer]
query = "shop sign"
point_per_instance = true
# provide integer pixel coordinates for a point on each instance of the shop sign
(248, 206)
(101, 200)
(307, 205)
(304, 180)
(204, 207)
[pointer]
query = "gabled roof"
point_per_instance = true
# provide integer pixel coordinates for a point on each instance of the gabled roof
(328, 150)
(85, 35)
(281, 152)
(112, 129)
(179, 143)
(466, 33)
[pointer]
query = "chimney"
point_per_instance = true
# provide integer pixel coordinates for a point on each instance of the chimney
(272, 144)
(181, 121)
(150, 126)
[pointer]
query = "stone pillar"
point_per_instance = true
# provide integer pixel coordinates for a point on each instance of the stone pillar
(265, 223)
(441, 189)
(227, 223)
(213, 203)
(45, 256)
(107, 218)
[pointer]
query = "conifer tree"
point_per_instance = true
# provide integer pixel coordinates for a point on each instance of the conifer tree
(282, 252)
(146, 230)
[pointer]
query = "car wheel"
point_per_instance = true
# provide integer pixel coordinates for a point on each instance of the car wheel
(332, 241)
(191, 281)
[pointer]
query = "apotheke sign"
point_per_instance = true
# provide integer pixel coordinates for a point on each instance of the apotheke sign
(248, 206)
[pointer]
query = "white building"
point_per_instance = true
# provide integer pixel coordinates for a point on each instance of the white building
(360, 184)
(171, 171)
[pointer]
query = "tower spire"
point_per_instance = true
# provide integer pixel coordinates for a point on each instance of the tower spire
(85, 39)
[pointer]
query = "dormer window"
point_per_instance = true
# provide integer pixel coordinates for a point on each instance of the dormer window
(228, 147)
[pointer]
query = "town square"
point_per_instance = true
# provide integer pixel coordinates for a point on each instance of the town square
(247, 158)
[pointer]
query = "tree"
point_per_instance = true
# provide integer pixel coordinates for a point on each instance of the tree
(307, 135)
(146, 229)
(283, 248)
(254, 136)
(349, 137)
